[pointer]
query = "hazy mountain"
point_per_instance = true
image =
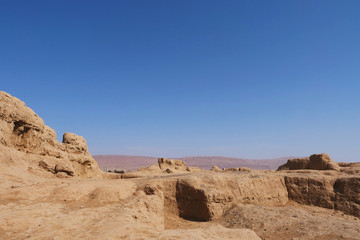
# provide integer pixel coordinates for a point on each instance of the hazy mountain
(123, 162)
(128, 163)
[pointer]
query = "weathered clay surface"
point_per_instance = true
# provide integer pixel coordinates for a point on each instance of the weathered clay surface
(293, 221)
(342, 193)
(53, 190)
(24, 135)
(205, 196)
(315, 162)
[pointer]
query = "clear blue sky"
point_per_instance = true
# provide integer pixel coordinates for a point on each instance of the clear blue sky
(251, 79)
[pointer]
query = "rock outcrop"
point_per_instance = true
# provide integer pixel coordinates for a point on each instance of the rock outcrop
(331, 190)
(315, 162)
(75, 142)
(171, 164)
(24, 134)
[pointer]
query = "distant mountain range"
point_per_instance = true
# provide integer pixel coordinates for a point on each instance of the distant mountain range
(129, 163)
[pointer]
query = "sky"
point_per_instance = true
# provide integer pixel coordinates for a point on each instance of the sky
(250, 79)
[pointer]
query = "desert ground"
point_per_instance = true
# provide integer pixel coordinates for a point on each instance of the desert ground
(56, 190)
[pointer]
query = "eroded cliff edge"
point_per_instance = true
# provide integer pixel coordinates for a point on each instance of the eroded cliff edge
(27, 143)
